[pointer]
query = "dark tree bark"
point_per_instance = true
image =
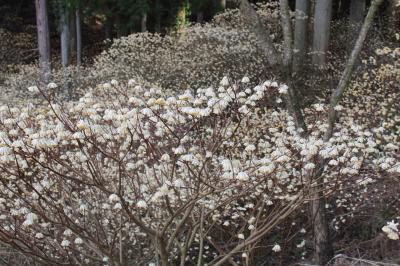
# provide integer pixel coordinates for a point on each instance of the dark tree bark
(300, 33)
(78, 36)
(72, 35)
(322, 20)
(43, 40)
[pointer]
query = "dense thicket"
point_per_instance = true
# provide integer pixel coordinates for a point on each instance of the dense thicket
(261, 137)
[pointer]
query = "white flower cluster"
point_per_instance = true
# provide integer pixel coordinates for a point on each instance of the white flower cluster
(391, 230)
(135, 163)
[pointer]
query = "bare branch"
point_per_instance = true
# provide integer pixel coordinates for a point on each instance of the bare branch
(337, 95)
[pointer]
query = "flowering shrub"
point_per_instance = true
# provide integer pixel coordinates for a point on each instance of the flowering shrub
(175, 171)
(130, 172)
(200, 56)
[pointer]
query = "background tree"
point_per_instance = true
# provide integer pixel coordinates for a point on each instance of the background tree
(43, 39)
(78, 23)
(300, 33)
(64, 32)
(322, 20)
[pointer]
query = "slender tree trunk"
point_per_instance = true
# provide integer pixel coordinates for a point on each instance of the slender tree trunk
(357, 10)
(65, 46)
(65, 35)
(322, 240)
(345, 79)
(72, 36)
(143, 22)
(162, 251)
(43, 40)
(322, 20)
(287, 35)
(300, 33)
(292, 102)
(78, 36)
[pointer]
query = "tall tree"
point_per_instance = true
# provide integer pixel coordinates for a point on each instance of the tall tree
(43, 39)
(144, 9)
(72, 34)
(78, 14)
(143, 22)
(322, 20)
(64, 33)
(300, 33)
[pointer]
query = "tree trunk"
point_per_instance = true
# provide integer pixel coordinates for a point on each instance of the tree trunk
(72, 36)
(143, 22)
(357, 9)
(345, 79)
(43, 40)
(292, 102)
(65, 45)
(300, 33)
(78, 36)
(65, 35)
(322, 20)
(322, 241)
